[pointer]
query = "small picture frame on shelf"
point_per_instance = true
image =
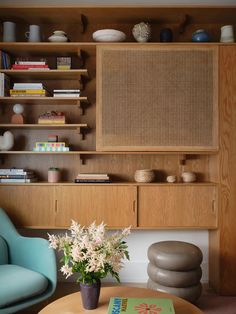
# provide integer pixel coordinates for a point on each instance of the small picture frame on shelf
(63, 63)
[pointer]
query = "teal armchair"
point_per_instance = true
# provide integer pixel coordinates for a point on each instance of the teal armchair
(27, 268)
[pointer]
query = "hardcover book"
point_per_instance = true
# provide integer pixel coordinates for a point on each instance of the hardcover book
(118, 305)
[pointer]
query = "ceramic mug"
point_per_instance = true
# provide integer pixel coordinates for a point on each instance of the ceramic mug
(33, 34)
(9, 31)
(227, 34)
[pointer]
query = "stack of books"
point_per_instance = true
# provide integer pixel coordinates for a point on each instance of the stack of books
(30, 65)
(5, 60)
(66, 93)
(28, 90)
(93, 178)
(50, 147)
(17, 175)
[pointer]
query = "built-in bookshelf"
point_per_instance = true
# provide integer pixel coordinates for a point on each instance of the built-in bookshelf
(207, 204)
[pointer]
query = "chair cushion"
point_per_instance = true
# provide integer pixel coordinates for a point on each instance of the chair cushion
(18, 284)
(3, 252)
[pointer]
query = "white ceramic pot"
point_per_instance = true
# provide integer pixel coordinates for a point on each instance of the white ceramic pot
(227, 34)
(58, 36)
(188, 177)
(6, 141)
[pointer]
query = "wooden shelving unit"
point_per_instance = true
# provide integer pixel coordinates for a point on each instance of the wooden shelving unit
(207, 204)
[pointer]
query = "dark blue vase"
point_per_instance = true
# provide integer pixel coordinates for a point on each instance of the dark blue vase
(200, 36)
(166, 35)
(90, 295)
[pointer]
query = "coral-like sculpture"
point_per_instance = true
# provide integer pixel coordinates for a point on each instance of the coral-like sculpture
(6, 141)
(142, 32)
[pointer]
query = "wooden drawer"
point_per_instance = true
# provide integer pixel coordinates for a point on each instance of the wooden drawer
(114, 205)
(177, 206)
(29, 206)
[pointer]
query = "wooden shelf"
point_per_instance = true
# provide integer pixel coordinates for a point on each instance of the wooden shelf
(44, 100)
(49, 49)
(43, 126)
(48, 75)
(9, 152)
(114, 183)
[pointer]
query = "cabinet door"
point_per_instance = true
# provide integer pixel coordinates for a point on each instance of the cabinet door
(157, 98)
(114, 205)
(29, 206)
(177, 206)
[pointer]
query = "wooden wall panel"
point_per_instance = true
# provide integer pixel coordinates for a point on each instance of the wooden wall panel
(227, 171)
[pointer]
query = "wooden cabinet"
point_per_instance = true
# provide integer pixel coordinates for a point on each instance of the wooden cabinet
(177, 206)
(29, 205)
(113, 205)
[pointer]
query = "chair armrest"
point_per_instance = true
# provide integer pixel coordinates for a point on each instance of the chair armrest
(34, 254)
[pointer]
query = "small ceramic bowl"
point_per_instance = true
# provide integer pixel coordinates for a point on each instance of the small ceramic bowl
(188, 177)
(109, 35)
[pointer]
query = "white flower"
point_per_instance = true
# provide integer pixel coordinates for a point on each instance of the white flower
(53, 241)
(66, 270)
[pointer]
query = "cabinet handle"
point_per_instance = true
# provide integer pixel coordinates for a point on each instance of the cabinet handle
(56, 206)
(213, 208)
(134, 206)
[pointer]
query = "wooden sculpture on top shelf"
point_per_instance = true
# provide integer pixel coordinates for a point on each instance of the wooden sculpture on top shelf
(17, 117)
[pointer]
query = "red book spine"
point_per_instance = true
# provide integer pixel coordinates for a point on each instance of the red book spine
(27, 66)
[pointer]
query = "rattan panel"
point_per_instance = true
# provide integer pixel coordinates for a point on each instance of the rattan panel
(153, 98)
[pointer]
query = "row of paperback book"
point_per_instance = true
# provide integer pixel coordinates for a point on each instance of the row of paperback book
(93, 178)
(30, 65)
(66, 93)
(17, 175)
(28, 90)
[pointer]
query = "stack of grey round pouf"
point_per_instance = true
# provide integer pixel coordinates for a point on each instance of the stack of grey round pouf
(174, 268)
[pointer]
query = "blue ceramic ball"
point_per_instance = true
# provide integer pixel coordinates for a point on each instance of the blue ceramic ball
(200, 36)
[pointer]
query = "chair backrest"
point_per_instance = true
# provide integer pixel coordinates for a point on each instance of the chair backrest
(3, 252)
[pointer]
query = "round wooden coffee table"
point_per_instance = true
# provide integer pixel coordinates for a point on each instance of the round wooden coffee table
(72, 303)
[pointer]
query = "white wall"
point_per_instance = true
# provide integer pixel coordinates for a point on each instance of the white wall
(115, 2)
(138, 243)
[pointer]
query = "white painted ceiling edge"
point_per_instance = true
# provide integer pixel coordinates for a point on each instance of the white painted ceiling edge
(38, 3)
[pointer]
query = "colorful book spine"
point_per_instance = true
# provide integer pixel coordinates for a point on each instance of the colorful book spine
(15, 171)
(51, 149)
(18, 180)
(27, 91)
(27, 86)
(46, 144)
(92, 181)
(29, 66)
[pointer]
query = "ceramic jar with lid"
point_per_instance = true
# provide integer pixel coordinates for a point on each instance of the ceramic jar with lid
(200, 35)
(53, 175)
(58, 36)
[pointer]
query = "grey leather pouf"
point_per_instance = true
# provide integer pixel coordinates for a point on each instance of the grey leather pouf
(172, 278)
(190, 294)
(175, 255)
(175, 268)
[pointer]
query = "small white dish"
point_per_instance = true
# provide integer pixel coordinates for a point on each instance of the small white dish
(108, 35)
